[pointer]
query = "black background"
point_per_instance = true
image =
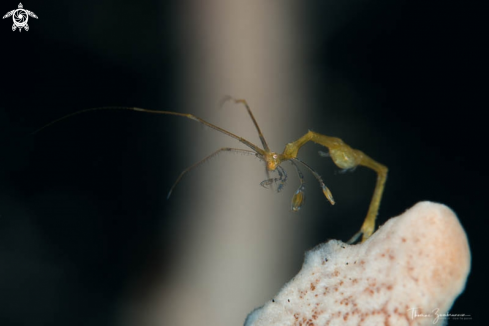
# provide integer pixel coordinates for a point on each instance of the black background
(70, 244)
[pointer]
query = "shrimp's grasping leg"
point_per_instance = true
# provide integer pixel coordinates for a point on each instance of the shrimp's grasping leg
(346, 157)
(327, 193)
(282, 178)
(299, 197)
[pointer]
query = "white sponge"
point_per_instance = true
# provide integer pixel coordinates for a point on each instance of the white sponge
(408, 273)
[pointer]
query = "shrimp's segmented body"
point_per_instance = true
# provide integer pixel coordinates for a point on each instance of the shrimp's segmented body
(342, 155)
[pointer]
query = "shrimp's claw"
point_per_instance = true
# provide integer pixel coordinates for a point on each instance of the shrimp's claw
(298, 199)
(267, 183)
(328, 194)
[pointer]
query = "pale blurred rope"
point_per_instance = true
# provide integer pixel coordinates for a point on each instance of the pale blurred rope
(236, 239)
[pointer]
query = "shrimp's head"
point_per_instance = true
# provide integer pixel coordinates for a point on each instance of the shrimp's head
(273, 160)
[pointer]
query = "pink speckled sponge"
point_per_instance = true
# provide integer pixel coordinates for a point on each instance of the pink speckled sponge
(410, 271)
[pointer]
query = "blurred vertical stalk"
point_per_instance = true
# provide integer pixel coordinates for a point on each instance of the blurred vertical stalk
(236, 236)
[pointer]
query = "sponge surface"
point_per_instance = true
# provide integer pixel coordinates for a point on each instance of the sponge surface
(408, 273)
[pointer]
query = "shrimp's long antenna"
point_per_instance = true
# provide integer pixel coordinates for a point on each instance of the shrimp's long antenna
(77, 113)
(193, 166)
(260, 134)
(327, 193)
(185, 115)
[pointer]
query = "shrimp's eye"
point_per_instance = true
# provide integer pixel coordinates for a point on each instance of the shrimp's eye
(298, 199)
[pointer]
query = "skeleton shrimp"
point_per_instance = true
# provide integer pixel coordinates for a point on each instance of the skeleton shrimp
(342, 155)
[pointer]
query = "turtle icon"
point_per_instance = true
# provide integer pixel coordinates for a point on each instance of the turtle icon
(20, 17)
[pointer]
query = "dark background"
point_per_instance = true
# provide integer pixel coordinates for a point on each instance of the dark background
(81, 202)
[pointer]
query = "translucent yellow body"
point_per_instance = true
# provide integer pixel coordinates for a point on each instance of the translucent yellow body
(342, 155)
